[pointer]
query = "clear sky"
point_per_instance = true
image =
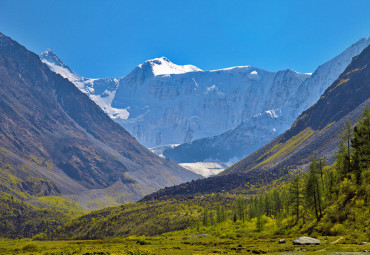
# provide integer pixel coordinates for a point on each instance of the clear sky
(109, 38)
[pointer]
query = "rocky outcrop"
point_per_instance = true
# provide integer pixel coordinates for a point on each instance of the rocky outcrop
(306, 240)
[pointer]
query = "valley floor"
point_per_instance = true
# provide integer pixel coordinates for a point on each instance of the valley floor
(180, 244)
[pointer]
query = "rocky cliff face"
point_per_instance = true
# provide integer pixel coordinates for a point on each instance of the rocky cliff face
(55, 140)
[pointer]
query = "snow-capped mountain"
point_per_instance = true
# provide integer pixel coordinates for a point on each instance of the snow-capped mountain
(178, 108)
(162, 103)
(167, 103)
(257, 131)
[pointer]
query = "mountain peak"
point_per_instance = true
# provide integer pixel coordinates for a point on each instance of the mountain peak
(163, 66)
(50, 57)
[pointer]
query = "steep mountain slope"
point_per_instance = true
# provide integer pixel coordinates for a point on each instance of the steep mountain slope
(102, 91)
(55, 141)
(262, 128)
(171, 104)
(315, 132)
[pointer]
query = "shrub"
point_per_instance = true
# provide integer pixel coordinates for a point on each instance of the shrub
(30, 247)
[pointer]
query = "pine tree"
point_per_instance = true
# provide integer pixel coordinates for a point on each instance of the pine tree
(205, 218)
(313, 191)
(361, 145)
(294, 195)
(344, 151)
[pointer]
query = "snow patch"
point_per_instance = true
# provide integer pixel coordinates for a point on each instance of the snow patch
(205, 169)
(163, 66)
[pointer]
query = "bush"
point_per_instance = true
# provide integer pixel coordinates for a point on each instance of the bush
(30, 247)
(338, 229)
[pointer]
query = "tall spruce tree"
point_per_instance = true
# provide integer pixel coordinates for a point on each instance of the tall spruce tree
(295, 195)
(344, 151)
(361, 145)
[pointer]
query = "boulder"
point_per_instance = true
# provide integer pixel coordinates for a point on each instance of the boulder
(364, 243)
(282, 241)
(306, 240)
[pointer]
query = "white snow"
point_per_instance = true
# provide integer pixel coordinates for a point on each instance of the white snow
(162, 66)
(274, 113)
(159, 149)
(105, 102)
(205, 169)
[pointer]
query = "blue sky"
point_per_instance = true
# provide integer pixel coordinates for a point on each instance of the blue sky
(109, 38)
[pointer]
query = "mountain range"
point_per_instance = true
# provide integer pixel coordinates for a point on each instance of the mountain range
(220, 115)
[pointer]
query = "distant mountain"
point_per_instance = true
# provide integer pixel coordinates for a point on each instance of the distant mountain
(262, 128)
(163, 103)
(315, 132)
(55, 141)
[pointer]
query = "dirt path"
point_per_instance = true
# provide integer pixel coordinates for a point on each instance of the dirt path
(340, 238)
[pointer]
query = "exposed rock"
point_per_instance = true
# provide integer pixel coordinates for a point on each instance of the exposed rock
(306, 240)
(282, 241)
(364, 243)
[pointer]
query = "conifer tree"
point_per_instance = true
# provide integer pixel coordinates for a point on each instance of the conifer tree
(295, 196)
(344, 151)
(361, 144)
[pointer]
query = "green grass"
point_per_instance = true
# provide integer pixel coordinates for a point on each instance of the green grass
(178, 243)
(280, 150)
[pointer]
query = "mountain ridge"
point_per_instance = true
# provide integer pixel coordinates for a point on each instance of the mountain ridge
(55, 140)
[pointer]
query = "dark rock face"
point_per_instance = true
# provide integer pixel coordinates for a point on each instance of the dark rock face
(47, 124)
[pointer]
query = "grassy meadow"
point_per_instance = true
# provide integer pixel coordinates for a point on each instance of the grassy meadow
(181, 243)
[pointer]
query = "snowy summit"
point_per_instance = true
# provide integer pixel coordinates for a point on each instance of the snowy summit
(162, 66)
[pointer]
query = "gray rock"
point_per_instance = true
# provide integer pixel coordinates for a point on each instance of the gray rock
(282, 241)
(364, 243)
(306, 240)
